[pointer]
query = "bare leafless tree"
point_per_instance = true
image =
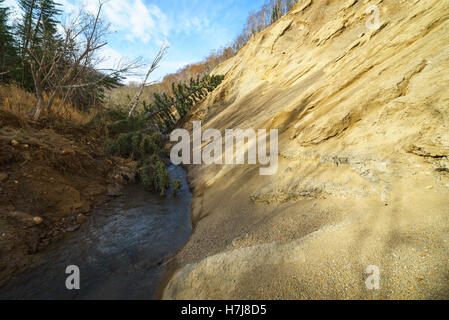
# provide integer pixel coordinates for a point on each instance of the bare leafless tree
(154, 65)
(68, 64)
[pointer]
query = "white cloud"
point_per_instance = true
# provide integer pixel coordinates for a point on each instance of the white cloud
(141, 26)
(110, 58)
(67, 7)
(195, 24)
(13, 7)
(134, 18)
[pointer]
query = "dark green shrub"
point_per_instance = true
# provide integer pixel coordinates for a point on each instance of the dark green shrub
(126, 125)
(154, 175)
(109, 147)
(140, 138)
(123, 144)
(152, 144)
(137, 145)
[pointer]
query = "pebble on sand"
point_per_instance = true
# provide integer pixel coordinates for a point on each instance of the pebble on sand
(81, 218)
(38, 220)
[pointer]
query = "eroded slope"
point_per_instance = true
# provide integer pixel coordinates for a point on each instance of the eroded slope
(363, 176)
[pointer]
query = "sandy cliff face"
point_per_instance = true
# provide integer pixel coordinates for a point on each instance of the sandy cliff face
(363, 177)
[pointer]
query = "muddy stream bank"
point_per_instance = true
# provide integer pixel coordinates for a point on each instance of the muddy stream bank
(122, 251)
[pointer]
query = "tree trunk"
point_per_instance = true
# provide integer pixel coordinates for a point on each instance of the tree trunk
(154, 65)
(38, 87)
(38, 107)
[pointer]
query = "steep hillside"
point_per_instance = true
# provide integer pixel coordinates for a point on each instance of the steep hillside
(363, 177)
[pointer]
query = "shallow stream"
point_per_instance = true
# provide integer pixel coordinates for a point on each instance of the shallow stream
(121, 252)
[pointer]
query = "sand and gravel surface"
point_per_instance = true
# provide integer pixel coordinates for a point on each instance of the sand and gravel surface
(363, 177)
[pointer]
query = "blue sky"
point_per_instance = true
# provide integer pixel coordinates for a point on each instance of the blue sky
(192, 27)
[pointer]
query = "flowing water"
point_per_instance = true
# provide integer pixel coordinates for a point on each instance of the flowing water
(121, 252)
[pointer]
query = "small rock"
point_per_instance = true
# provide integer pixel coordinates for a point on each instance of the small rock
(15, 143)
(81, 219)
(67, 151)
(38, 220)
(24, 218)
(114, 190)
(3, 234)
(3, 177)
(73, 229)
(429, 187)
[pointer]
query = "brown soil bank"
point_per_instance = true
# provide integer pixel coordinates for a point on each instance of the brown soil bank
(49, 180)
(363, 176)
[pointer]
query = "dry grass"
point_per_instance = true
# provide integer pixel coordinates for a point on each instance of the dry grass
(22, 103)
(120, 97)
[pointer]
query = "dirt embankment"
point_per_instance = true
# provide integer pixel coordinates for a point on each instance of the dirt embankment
(50, 178)
(363, 118)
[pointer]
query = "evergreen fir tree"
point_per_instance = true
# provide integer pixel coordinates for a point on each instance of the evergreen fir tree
(183, 97)
(50, 12)
(38, 23)
(36, 31)
(8, 51)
